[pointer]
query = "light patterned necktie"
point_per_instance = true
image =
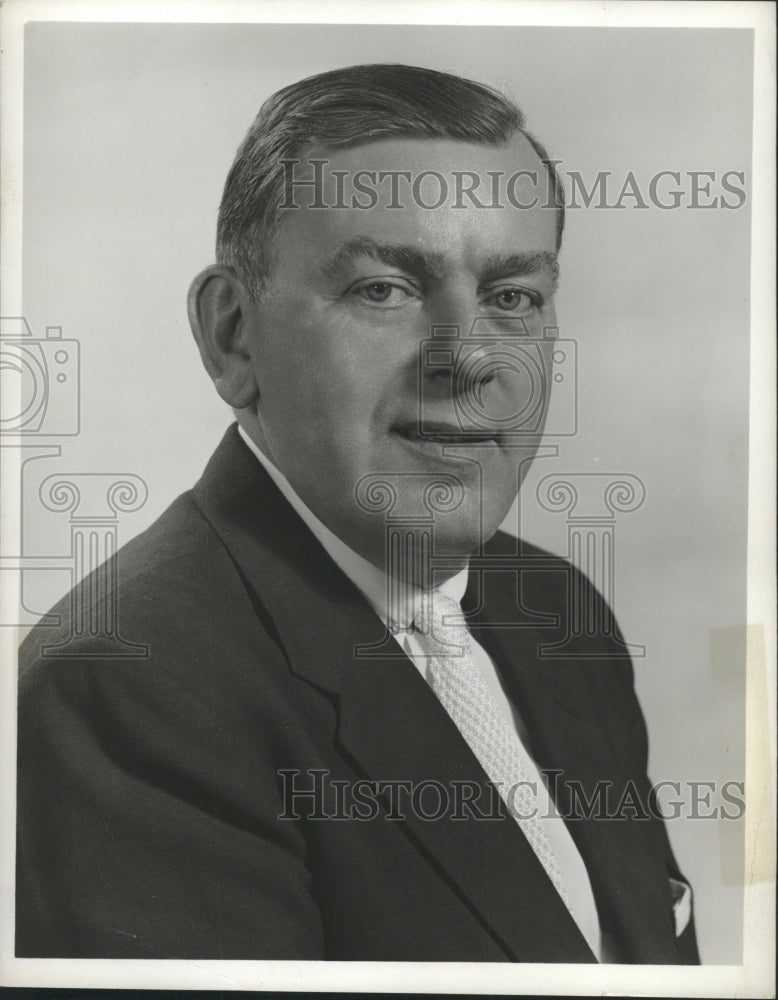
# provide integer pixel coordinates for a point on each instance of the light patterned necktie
(454, 677)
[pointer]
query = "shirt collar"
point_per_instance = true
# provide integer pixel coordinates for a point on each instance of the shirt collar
(395, 602)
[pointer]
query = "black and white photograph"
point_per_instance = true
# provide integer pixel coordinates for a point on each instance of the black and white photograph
(388, 451)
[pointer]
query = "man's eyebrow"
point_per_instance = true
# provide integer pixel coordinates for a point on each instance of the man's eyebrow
(521, 264)
(405, 258)
(431, 266)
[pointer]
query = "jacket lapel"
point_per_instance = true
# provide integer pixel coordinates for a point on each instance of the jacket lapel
(390, 724)
(393, 726)
(555, 701)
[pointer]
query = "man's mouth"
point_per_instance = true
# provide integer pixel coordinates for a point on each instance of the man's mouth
(446, 434)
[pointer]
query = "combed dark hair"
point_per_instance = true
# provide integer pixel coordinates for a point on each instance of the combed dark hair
(346, 107)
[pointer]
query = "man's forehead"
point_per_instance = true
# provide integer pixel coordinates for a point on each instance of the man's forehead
(430, 206)
(414, 152)
(405, 186)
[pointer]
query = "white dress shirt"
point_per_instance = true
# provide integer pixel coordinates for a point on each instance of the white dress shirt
(373, 584)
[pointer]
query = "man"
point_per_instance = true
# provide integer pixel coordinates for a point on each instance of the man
(320, 757)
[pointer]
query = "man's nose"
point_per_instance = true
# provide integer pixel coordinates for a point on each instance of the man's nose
(461, 342)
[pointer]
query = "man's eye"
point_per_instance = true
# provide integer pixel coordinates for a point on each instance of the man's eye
(383, 292)
(379, 291)
(513, 300)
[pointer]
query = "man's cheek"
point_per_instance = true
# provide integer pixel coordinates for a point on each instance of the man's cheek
(500, 486)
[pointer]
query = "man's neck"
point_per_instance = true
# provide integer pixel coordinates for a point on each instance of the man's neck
(396, 601)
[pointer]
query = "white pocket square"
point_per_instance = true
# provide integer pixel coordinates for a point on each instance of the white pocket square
(682, 905)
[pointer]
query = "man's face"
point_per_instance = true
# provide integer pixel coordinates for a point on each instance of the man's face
(336, 340)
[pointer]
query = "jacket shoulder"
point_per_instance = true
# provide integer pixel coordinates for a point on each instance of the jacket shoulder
(550, 577)
(169, 607)
(566, 605)
(504, 544)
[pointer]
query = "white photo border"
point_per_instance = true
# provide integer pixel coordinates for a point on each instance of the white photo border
(756, 976)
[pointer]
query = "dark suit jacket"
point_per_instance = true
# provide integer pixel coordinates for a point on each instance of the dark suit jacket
(150, 789)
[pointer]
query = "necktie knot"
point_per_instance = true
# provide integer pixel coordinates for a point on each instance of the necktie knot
(441, 620)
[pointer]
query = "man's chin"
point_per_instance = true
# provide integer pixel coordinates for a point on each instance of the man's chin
(417, 526)
(462, 538)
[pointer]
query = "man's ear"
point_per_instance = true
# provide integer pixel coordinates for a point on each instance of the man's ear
(219, 309)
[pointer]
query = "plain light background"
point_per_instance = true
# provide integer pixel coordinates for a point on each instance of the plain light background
(129, 132)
